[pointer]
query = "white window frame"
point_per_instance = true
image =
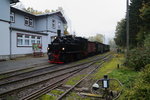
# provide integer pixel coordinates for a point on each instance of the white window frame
(31, 22)
(20, 38)
(12, 17)
(30, 39)
(38, 40)
(26, 19)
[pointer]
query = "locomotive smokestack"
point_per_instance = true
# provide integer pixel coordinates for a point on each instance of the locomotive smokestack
(59, 33)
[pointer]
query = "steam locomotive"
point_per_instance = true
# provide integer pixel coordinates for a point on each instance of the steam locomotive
(70, 48)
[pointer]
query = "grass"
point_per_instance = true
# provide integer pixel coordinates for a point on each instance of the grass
(74, 80)
(3, 76)
(75, 96)
(125, 75)
(47, 97)
(52, 95)
(56, 92)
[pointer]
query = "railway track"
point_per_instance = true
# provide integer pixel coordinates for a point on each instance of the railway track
(19, 82)
(58, 83)
(71, 88)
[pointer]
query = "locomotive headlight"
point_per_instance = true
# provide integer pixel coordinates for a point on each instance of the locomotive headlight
(48, 48)
(63, 49)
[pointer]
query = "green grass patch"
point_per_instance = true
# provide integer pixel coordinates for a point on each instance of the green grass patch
(125, 75)
(74, 80)
(56, 92)
(106, 68)
(47, 97)
(52, 95)
(75, 96)
(3, 76)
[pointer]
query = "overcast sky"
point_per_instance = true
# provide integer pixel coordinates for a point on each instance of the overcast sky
(87, 17)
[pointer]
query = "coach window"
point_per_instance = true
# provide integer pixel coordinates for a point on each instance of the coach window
(19, 39)
(53, 23)
(26, 21)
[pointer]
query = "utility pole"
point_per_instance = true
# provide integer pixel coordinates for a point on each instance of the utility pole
(127, 28)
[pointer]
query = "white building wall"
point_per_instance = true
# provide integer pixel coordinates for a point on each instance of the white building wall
(4, 29)
(26, 50)
(5, 10)
(4, 39)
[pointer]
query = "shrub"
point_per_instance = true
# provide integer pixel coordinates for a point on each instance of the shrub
(140, 56)
(141, 87)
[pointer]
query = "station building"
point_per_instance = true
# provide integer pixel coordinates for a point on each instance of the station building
(19, 30)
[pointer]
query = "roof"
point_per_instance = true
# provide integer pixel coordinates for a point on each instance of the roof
(13, 1)
(58, 13)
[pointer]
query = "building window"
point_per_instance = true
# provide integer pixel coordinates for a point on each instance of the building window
(26, 21)
(38, 39)
(12, 17)
(27, 40)
(59, 24)
(53, 23)
(19, 39)
(31, 22)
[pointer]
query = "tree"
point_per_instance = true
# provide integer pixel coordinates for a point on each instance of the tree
(32, 11)
(47, 11)
(145, 27)
(120, 33)
(65, 30)
(135, 21)
(98, 38)
(112, 44)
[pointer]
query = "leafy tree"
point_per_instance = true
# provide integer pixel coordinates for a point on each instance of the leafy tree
(97, 37)
(66, 31)
(112, 44)
(140, 56)
(32, 11)
(145, 27)
(120, 33)
(47, 11)
(134, 21)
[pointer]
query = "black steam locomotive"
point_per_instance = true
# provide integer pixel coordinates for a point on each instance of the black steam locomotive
(69, 48)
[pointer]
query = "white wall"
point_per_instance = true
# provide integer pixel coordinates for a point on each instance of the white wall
(4, 38)
(5, 10)
(26, 50)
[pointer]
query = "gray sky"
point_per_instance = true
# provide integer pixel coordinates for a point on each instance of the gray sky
(86, 17)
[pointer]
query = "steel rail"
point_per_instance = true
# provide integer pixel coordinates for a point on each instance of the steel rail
(65, 93)
(21, 71)
(41, 81)
(3, 82)
(40, 92)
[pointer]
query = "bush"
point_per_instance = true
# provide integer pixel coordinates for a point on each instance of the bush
(141, 87)
(140, 56)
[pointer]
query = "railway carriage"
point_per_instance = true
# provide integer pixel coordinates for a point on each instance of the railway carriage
(69, 48)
